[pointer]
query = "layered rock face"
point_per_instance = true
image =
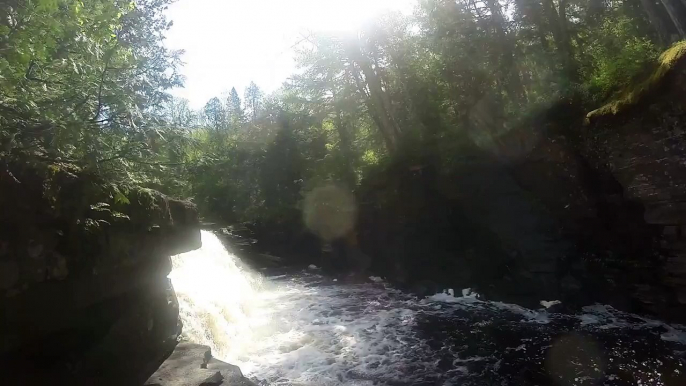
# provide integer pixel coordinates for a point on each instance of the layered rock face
(558, 208)
(643, 147)
(84, 291)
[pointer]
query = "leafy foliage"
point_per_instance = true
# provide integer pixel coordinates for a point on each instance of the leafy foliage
(616, 56)
(632, 94)
(81, 79)
(86, 82)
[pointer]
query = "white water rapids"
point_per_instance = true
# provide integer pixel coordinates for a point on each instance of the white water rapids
(306, 329)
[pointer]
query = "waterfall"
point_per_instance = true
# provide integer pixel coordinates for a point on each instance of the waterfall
(302, 329)
(219, 298)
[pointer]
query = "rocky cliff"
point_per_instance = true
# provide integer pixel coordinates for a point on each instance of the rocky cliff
(639, 140)
(563, 207)
(84, 291)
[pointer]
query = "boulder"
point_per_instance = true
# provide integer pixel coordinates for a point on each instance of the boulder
(193, 365)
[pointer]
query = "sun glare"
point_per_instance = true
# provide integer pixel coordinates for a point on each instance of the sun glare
(229, 43)
(344, 15)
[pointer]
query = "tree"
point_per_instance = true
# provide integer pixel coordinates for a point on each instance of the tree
(253, 99)
(80, 78)
(234, 107)
(178, 112)
(88, 82)
(215, 114)
(365, 70)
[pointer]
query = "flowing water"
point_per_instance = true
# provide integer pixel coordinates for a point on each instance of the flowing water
(306, 329)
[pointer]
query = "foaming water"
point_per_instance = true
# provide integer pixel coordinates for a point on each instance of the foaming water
(305, 329)
(219, 300)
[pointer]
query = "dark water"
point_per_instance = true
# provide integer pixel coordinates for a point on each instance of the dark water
(302, 328)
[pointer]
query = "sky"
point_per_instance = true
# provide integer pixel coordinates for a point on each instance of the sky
(229, 43)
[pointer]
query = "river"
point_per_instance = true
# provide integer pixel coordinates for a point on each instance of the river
(303, 328)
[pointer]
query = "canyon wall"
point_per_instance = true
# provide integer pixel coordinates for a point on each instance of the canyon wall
(84, 291)
(566, 207)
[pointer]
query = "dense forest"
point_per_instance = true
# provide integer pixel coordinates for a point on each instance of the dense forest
(88, 83)
(528, 155)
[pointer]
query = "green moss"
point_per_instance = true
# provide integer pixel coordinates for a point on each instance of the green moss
(145, 207)
(666, 62)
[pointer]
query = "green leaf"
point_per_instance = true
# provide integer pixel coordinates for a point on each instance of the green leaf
(120, 198)
(119, 215)
(100, 207)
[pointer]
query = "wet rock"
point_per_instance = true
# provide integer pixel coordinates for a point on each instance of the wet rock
(555, 306)
(184, 368)
(424, 288)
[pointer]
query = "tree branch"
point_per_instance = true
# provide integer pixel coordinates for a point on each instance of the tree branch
(29, 75)
(110, 53)
(123, 156)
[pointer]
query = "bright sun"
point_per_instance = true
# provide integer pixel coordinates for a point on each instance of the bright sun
(342, 15)
(230, 43)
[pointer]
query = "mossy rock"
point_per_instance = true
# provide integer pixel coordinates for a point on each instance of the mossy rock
(83, 208)
(666, 64)
(76, 195)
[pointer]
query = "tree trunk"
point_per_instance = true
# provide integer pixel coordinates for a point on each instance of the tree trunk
(656, 21)
(379, 101)
(345, 144)
(563, 24)
(371, 108)
(382, 86)
(509, 73)
(533, 11)
(673, 12)
(558, 26)
(477, 11)
(409, 99)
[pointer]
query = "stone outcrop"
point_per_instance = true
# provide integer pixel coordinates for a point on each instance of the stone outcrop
(640, 141)
(84, 291)
(613, 186)
(193, 365)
